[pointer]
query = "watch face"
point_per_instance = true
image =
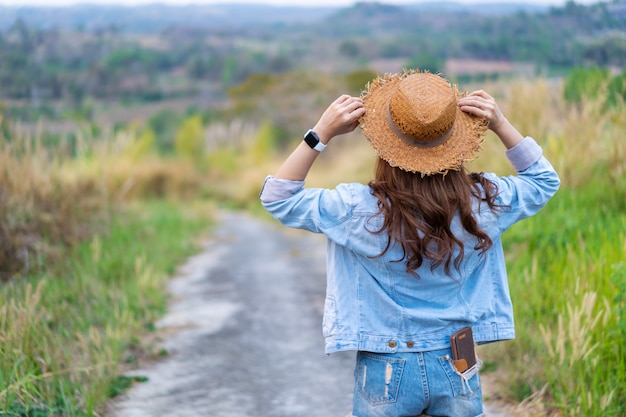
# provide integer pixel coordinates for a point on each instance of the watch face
(311, 139)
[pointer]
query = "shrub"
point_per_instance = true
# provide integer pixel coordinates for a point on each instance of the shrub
(585, 83)
(189, 141)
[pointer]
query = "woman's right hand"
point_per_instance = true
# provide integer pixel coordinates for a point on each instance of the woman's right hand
(341, 116)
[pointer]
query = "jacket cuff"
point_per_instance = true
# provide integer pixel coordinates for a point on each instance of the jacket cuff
(278, 189)
(524, 154)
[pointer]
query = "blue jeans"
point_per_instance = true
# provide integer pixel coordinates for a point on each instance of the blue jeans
(411, 384)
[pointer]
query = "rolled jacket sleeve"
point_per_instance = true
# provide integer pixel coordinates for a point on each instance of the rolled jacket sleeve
(279, 189)
(524, 154)
(524, 194)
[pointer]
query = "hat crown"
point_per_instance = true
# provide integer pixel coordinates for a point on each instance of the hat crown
(413, 121)
(423, 107)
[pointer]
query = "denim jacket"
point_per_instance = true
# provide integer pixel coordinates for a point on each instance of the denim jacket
(372, 303)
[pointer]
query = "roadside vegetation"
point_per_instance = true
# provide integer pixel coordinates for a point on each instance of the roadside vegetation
(84, 260)
(66, 333)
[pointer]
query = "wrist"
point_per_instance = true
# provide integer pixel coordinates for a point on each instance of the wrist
(507, 133)
(500, 125)
(322, 133)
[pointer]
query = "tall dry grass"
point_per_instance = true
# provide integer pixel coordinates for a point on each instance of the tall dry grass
(42, 211)
(582, 141)
(56, 196)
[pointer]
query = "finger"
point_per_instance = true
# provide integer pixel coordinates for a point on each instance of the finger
(480, 93)
(358, 112)
(475, 110)
(354, 105)
(350, 99)
(472, 102)
(343, 98)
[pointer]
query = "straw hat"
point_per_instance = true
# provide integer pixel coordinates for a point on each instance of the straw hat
(413, 121)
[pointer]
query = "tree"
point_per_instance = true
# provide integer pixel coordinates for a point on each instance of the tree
(608, 51)
(583, 83)
(617, 90)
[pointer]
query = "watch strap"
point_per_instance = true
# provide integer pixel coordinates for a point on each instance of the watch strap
(311, 138)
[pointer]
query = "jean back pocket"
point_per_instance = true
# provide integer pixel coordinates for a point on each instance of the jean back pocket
(378, 377)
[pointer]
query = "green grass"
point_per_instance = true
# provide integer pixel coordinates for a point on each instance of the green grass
(65, 335)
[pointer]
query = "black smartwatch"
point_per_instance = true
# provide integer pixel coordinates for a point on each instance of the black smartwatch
(314, 141)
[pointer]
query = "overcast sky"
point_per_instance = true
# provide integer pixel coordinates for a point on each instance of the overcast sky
(275, 2)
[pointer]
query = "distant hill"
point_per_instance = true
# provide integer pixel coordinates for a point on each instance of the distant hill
(158, 52)
(495, 8)
(156, 17)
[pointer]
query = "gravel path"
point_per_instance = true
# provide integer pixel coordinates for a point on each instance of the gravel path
(243, 333)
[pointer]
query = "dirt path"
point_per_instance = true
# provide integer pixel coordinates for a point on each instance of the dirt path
(244, 333)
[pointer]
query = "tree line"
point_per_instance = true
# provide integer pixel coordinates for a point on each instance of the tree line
(42, 64)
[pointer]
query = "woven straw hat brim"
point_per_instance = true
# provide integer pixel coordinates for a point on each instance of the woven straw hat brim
(463, 145)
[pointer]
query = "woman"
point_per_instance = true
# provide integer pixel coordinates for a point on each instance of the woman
(415, 255)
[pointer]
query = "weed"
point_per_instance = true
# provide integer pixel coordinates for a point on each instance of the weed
(121, 383)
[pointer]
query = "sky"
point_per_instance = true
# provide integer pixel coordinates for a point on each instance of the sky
(273, 2)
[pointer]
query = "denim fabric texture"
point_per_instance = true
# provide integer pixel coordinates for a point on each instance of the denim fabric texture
(372, 304)
(410, 384)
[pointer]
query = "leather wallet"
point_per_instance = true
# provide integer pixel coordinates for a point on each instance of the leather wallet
(463, 353)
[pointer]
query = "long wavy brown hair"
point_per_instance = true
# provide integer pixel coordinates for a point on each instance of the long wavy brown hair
(418, 212)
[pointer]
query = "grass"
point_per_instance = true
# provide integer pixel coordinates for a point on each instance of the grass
(42, 211)
(566, 269)
(65, 334)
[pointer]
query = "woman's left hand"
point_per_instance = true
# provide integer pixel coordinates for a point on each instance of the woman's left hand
(481, 104)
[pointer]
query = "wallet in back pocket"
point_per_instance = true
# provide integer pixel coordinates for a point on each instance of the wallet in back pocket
(463, 353)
